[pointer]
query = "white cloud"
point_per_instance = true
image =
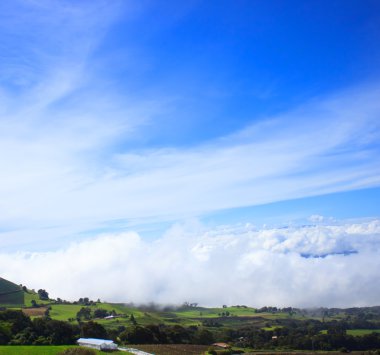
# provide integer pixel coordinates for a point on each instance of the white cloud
(230, 264)
(72, 175)
(67, 158)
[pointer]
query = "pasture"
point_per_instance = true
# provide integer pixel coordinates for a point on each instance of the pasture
(361, 332)
(33, 296)
(42, 350)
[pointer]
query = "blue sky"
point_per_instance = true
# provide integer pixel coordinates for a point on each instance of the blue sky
(197, 117)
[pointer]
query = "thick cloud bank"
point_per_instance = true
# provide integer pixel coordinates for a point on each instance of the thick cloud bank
(317, 265)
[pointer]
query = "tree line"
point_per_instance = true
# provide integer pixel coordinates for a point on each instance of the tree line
(16, 328)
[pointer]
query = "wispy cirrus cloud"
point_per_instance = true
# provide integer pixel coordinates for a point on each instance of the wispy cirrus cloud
(72, 145)
(58, 177)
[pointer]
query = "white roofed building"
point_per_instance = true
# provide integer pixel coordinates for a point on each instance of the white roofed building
(99, 344)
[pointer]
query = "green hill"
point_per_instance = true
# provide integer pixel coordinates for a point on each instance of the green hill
(10, 293)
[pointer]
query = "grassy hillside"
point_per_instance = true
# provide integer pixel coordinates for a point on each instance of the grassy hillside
(30, 296)
(10, 293)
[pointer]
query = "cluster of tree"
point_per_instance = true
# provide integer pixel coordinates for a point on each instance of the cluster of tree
(303, 335)
(165, 334)
(224, 314)
(86, 313)
(18, 329)
(43, 295)
(270, 309)
(357, 312)
(189, 305)
(85, 301)
(211, 323)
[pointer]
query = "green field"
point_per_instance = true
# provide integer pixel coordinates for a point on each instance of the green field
(184, 317)
(30, 295)
(64, 311)
(360, 332)
(33, 350)
(67, 311)
(42, 350)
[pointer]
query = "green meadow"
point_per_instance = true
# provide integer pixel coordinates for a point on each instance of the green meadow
(42, 350)
(361, 332)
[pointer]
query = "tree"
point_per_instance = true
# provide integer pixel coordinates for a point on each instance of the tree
(203, 336)
(93, 330)
(84, 313)
(43, 294)
(138, 335)
(133, 320)
(5, 334)
(100, 313)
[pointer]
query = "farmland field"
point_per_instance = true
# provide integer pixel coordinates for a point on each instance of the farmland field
(64, 311)
(34, 312)
(41, 350)
(32, 296)
(360, 332)
(172, 349)
(32, 350)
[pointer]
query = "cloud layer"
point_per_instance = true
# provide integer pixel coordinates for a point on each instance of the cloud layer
(231, 264)
(73, 156)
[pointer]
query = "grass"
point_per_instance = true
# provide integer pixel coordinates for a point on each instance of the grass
(41, 350)
(272, 328)
(360, 332)
(31, 350)
(32, 296)
(198, 312)
(64, 311)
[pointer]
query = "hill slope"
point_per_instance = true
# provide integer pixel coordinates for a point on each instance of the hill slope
(10, 293)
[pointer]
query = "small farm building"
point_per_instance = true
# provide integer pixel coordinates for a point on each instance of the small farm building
(99, 344)
(222, 345)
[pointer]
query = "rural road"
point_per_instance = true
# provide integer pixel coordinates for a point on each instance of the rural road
(134, 351)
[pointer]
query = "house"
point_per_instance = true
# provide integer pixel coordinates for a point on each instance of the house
(99, 344)
(222, 345)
